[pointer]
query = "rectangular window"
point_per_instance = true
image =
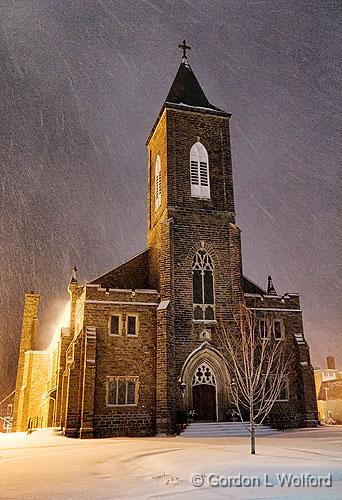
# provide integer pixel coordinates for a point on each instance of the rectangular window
(263, 330)
(111, 392)
(270, 386)
(277, 329)
(122, 391)
(284, 391)
(130, 393)
(115, 324)
(132, 324)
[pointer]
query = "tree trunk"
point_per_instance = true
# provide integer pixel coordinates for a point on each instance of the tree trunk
(252, 432)
(252, 427)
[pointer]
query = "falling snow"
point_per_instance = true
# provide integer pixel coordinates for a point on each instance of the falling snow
(82, 83)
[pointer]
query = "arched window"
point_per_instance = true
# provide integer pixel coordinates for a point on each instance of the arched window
(157, 185)
(203, 286)
(199, 171)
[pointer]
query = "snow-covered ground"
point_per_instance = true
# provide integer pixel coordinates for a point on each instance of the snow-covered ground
(46, 465)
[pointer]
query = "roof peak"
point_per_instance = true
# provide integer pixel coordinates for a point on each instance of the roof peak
(185, 88)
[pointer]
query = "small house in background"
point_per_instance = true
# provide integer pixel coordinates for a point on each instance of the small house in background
(6, 413)
(329, 392)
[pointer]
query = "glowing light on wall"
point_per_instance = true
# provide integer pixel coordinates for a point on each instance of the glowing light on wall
(61, 323)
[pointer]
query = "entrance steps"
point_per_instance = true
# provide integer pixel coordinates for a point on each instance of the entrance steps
(224, 429)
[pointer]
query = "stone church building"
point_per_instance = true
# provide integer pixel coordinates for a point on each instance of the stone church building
(142, 343)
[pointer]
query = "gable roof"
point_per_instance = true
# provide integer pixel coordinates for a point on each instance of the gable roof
(132, 274)
(248, 286)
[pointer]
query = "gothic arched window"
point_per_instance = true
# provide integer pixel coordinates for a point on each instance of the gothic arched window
(203, 286)
(199, 171)
(157, 185)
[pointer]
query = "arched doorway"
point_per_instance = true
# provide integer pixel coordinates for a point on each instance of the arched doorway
(206, 383)
(204, 399)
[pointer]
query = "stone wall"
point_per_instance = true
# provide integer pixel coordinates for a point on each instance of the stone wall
(301, 409)
(99, 355)
(179, 228)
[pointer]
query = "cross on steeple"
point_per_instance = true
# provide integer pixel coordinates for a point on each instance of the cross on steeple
(184, 47)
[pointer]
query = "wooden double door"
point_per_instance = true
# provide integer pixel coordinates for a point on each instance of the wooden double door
(204, 402)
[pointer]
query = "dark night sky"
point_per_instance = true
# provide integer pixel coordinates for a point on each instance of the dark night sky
(81, 85)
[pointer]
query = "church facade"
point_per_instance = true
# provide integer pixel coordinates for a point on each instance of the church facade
(142, 343)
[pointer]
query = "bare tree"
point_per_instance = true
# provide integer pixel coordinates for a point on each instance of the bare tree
(258, 367)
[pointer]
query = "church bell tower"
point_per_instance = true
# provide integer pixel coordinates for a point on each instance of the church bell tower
(195, 256)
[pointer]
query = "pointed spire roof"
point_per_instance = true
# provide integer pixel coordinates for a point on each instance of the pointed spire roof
(270, 287)
(187, 92)
(186, 88)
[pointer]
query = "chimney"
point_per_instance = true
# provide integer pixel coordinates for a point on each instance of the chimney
(27, 343)
(330, 362)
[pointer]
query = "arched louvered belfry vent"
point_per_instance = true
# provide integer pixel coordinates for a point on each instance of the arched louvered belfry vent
(203, 286)
(157, 188)
(199, 171)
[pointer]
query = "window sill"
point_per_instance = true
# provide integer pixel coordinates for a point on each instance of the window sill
(122, 406)
(206, 321)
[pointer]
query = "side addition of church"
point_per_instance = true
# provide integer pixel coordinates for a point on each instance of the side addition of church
(142, 345)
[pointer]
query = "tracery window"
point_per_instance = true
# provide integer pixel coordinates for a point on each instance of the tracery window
(199, 171)
(203, 375)
(203, 286)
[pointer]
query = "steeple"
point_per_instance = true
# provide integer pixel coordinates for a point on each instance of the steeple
(270, 287)
(186, 89)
